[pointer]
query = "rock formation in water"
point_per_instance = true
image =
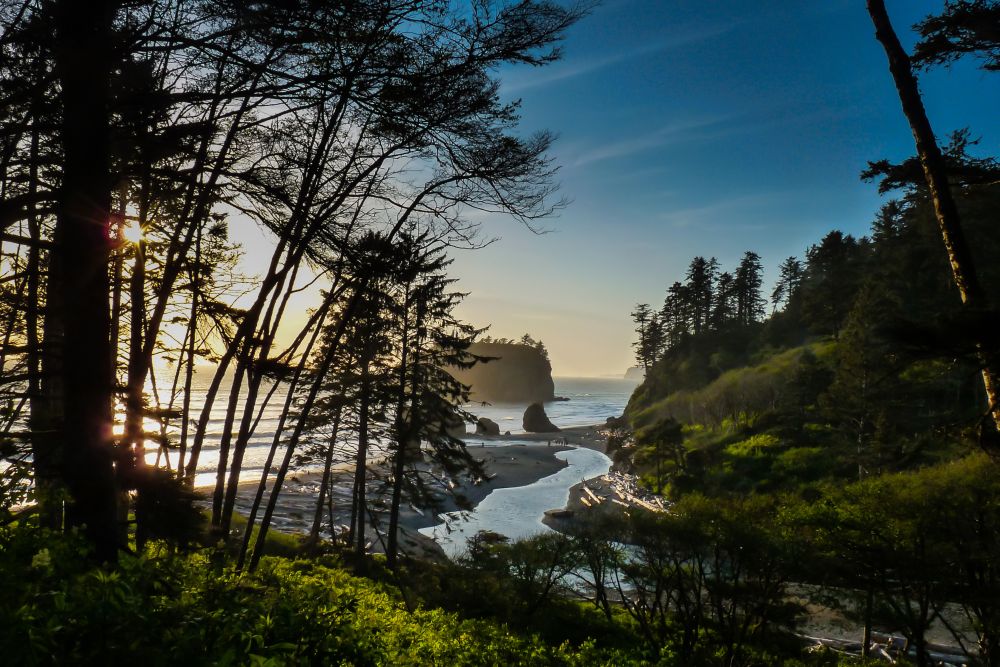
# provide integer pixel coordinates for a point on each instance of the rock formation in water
(536, 421)
(486, 426)
(518, 373)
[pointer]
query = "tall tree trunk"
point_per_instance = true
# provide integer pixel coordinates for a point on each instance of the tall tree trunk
(324, 485)
(190, 352)
(866, 640)
(935, 173)
(321, 370)
(118, 261)
(361, 465)
(134, 436)
(225, 443)
(404, 429)
(276, 439)
(262, 351)
(134, 453)
(78, 280)
(39, 416)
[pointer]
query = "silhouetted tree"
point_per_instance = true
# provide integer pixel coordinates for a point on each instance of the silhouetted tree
(747, 284)
(831, 279)
(964, 27)
(726, 302)
(700, 291)
(935, 171)
(789, 279)
(647, 325)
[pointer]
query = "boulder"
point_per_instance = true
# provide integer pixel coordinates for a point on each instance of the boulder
(536, 421)
(486, 426)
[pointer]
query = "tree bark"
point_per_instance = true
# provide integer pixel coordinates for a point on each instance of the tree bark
(324, 485)
(190, 352)
(361, 466)
(39, 417)
(935, 174)
(78, 280)
(272, 500)
(404, 432)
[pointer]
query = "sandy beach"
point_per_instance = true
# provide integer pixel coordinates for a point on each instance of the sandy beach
(506, 465)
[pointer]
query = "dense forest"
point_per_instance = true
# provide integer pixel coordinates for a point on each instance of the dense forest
(846, 418)
(830, 447)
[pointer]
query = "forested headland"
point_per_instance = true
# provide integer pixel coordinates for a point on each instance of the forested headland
(843, 422)
(826, 447)
(515, 371)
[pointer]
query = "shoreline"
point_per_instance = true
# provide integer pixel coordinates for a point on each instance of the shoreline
(510, 461)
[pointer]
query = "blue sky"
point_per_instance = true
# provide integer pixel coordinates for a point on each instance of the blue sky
(699, 128)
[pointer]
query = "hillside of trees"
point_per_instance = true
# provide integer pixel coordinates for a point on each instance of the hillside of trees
(864, 341)
(845, 411)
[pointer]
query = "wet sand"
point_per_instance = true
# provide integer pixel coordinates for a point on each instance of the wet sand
(506, 466)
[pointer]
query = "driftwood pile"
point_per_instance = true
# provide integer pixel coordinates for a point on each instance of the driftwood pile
(621, 489)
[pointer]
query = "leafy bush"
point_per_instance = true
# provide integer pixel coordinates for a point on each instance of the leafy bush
(755, 445)
(195, 610)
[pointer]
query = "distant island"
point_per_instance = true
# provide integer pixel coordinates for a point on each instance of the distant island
(636, 373)
(518, 372)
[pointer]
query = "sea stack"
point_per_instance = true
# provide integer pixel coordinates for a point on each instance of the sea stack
(518, 372)
(485, 426)
(536, 421)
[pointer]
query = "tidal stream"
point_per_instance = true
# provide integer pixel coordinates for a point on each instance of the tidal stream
(516, 512)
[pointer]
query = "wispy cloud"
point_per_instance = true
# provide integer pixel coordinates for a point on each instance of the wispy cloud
(527, 79)
(683, 130)
(739, 207)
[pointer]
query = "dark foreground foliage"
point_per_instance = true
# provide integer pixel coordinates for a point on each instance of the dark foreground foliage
(194, 609)
(168, 608)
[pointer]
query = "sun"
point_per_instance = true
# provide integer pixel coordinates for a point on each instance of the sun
(133, 232)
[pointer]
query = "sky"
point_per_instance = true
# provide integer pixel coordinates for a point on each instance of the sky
(699, 127)
(685, 128)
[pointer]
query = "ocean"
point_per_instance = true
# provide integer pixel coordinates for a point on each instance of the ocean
(591, 401)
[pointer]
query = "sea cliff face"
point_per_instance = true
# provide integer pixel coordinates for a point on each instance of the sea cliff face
(518, 374)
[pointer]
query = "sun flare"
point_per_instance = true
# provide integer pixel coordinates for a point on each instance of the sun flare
(132, 232)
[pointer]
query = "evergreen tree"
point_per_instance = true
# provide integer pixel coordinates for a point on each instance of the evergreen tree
(675, 316)
(832, 275)
(963, 27)
(747, 284)
(645, 322)
(725, 308)
(430, 398)
(700, 291)
(789, 279)
(864, 378)
(977, 35)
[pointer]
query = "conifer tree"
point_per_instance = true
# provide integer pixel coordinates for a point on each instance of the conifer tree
(700, 291)
(964, 27)
(725, 307)
(789, 279)
(747, 284)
